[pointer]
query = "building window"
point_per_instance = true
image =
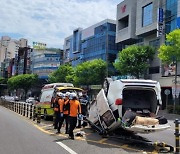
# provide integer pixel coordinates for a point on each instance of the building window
(155, 43)
(154, 70)
(147, 14)
(123, 23)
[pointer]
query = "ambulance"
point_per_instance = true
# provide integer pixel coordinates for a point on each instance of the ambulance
(48, 94)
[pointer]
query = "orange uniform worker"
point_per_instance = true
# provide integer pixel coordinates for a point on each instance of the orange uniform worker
(75, 109)
(64, 109)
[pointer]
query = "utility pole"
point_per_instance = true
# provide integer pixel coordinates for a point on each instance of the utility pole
(175, 83)
(107, 49)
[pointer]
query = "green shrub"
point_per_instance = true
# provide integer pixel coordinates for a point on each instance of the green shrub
(170, 109)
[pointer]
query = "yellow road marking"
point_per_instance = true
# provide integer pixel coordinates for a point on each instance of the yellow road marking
(46, 126)
(103, 140)
(79, 138)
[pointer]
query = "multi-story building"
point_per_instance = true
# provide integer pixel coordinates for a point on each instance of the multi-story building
(22, 62)
(8, 52)
(45, 62)
(94, 42)
(137, 22)
(145, 22)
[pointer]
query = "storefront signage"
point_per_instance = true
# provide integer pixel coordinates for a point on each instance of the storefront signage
(123, 8)
(39, 46)
(160, 26)
(178, 22)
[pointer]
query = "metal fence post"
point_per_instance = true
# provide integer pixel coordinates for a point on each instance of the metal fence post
(24, 109)
(27, 110)
(39, 115)
(177, 135)
(30, 116)
(21, 109)
(34, 113)
(16, 107)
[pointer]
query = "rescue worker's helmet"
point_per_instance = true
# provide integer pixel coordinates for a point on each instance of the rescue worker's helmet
(64, 96)
(59, 94)
(67, 94)
(73, 96)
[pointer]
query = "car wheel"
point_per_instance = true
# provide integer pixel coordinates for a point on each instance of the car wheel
(45, 115)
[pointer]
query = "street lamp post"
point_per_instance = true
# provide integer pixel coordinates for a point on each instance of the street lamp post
(175, 88)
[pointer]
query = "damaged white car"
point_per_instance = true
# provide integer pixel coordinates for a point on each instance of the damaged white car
(131, 104)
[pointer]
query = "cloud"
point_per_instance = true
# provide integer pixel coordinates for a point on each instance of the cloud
(50, 21)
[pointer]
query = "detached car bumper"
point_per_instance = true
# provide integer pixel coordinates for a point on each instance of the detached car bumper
(147, 129)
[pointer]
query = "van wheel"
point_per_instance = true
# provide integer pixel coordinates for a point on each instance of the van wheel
(45, 115)
(106, 85)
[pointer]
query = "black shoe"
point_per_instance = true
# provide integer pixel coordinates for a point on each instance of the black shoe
(71, 137)
(66, 132)
(58, 132)
(78, 127)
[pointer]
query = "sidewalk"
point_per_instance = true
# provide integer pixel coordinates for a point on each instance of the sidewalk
(169, 116)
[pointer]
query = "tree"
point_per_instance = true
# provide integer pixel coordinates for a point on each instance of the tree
(23, 81)
(3, 80)
(171, 50)
(90, 72)
(134, 60)
(63, 74)
(3, 85)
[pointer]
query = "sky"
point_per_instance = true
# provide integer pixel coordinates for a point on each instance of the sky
(51, 21)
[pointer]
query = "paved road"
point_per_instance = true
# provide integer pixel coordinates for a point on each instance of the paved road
(166, 136)
(17, 136)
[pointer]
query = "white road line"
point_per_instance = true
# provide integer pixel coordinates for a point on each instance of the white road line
(66, 148)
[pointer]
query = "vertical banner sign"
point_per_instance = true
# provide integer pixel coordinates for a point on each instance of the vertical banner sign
(178, 22)
(159, 22)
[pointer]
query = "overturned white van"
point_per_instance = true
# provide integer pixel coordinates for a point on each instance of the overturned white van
(131, 104)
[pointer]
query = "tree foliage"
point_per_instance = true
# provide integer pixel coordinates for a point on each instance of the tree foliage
(170, 50)
(90, 72)
(23, 81)
(63, 74)
(134, 60)
(3, 80)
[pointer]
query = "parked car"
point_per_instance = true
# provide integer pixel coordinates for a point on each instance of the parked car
(31, 100)
(9, 98)
(16, 98)
(130, 104)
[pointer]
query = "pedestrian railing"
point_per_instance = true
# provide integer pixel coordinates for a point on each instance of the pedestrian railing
(177, 135)
(24, 109)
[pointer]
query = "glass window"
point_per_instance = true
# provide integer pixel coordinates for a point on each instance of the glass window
(154, 70)
(147, 14)
(171, 15)
(155, 43)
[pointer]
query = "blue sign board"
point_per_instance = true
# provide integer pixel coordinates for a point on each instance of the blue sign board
(178, 22)
(160, 20)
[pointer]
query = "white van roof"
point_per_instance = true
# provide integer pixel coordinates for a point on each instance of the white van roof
(53, 85)
(138, 81)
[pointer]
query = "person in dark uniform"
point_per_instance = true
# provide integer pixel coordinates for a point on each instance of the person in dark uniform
(75, 110)
(56, 111)
(84, 101)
